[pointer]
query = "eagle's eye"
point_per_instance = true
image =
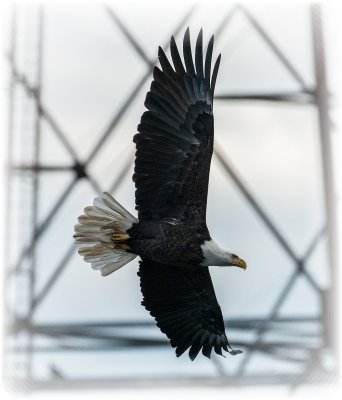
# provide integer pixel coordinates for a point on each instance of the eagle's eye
(234, 256)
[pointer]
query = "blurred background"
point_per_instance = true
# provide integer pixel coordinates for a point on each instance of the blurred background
(76, 79)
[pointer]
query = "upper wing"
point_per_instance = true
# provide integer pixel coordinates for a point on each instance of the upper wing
(175, 140)
(183, 302)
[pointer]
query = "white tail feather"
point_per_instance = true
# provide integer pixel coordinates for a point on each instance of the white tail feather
(94, 234)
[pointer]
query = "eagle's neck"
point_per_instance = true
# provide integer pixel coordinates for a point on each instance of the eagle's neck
(213, 254)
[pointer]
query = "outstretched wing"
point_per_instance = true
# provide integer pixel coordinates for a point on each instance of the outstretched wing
(175, 140)
(184, 305)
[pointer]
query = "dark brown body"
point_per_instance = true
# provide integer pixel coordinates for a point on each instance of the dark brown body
(169, 242)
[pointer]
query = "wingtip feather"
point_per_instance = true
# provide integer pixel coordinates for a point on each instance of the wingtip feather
(199, 55)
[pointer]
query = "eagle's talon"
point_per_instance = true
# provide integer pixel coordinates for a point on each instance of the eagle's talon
(120, 237)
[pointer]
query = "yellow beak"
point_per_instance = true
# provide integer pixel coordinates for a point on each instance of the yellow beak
(239, 262)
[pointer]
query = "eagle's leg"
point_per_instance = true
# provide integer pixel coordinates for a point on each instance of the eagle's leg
(119, 239)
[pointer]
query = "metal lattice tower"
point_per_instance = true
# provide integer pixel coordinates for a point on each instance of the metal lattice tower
(25, 338)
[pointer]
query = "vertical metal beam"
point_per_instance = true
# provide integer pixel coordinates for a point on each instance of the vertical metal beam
(8, 207)
(322, 99)
(35, 192)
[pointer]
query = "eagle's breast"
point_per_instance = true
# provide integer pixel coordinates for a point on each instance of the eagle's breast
(169, 241)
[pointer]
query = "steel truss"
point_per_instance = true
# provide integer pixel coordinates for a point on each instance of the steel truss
(104, 336)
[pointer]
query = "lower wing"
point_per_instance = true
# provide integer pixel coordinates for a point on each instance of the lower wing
(184, 305)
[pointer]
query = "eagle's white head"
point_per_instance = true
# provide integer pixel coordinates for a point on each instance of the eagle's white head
(214, 255)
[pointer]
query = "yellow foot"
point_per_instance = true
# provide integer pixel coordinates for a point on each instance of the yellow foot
(120, 237)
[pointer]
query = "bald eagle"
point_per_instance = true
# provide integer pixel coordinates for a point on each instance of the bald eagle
(174, 145)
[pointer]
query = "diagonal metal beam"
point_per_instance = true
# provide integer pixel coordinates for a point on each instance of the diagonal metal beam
(58, 131)
(52, 280)
(264, 217)
(309, 278)
(124, 171)
(307, 254)
(261, 31)
(255, 205)
(47, 221)
(299, 262)
(276, 50)
(134, 43)
(226, 20)
(32, 91)
(117, 118)
(42, 227)
(54, 277)
(127, 103)
(320, 234)
(264, 325)
(280, 300)
(44, 113)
